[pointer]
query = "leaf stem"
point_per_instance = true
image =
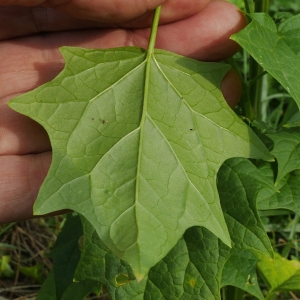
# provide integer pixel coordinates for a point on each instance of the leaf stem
(253, 80)
(255, 69)
(150, 52)
(232, 293)
(293, 237)
(153, 34)
(249, 6)
(247, 109)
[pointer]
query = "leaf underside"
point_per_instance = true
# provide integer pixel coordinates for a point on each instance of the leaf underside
(137, 142)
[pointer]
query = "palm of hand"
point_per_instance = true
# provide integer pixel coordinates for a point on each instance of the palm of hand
(31, 58)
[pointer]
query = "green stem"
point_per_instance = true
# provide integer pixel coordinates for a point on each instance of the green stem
(252, 81)
(292, 239)
(246, 107)
(255, 69)
(249, 6)
(232, 293)
(223, 290)
(296, 221)
(262, 5)
(270, 296)
(151, 47)
(154, 27)
(293, 236)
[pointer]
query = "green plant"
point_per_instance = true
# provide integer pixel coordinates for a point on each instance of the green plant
(168, 203)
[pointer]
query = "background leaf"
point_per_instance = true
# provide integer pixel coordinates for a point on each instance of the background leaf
(66, 254)
(261, 39)
(261, 180)
(60, 284)
(48, 289)
(280, 274)
(290, 32)
(240, 271)
(286, 150)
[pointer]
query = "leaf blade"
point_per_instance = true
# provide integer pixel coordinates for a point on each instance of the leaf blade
(123, 155)
(269, 49)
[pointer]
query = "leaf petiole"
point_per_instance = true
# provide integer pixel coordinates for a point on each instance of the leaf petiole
(154, 28)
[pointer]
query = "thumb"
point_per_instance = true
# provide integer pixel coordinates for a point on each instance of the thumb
(110, 11)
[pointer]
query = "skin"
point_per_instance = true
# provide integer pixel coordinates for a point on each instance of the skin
(31, 33)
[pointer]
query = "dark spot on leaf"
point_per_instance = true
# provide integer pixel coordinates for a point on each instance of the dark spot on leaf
(192, 282)
(108, 192)
(122, 279)
(191, 129)
(104, 122)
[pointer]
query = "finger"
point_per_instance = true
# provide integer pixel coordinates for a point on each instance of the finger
(36, 59)
(103, 10)
(231, 87)
(20, 180)
(20, 135)
(115, 11)
(131, 13)
(30, 62)
(16, 21)
(205, 35)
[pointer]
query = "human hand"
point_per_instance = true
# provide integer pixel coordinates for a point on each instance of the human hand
(30, 36)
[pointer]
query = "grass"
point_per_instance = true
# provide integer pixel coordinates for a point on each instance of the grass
(26, 245)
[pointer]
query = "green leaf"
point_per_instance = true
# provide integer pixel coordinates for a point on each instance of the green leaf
(239, 3)
(80, 290)
(193, 267)
(268, 47)
(289, 30)
(99, 264)
(286, 195)
(238, 192)
(260, 182)
(74, 291)
(60, 285)
(244, 277)
(35, 272)
(66, 254)
(294, 122)
(48, 289)
(137, 142)
(5, 268)
(280, 274)
(286, 151)
(199, 264)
